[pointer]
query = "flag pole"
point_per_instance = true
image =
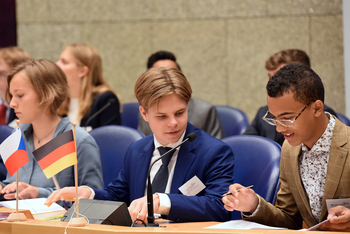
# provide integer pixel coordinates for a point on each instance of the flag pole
(78, 221)
(17, 216)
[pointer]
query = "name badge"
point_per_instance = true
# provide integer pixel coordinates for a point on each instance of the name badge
(192, 187)
(338, 202)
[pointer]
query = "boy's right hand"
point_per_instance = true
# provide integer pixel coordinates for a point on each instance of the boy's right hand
(245, 200)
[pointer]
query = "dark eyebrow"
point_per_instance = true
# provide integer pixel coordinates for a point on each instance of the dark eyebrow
(281, 115)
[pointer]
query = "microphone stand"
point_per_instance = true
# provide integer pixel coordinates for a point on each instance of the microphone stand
(110, 102)
(150, 216)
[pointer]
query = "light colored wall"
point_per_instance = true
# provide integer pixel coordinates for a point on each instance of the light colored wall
(221, 45)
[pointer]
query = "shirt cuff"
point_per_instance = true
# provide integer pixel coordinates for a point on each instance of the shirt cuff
(247, 215)
(92, 192)
(164, 204)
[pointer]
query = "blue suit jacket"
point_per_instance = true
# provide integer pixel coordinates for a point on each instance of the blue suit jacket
(208, 158)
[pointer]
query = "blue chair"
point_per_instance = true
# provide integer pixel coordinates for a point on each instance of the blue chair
(257, 162)
(114, 141)
(5, 131)
(233, 120)
(129, 116)
(343, 119)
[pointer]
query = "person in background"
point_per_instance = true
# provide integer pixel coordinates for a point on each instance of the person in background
(315, 164)
(9, 58)
(273, 64)
(163, 95)
(35, 90)
(88, 92)
(201, 114)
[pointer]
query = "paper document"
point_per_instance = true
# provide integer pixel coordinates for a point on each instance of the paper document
(35, 205)
(241, 224)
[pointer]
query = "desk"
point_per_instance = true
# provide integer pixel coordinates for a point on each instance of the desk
(56, 227)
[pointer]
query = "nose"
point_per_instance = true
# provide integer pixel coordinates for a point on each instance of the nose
(172, 122)
(280, 127)
(13, 104)
(58, 63)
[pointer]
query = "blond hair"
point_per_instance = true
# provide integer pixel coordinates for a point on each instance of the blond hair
(13, 55)
(156, 83)
(93, 84)
(48, 80)
(287, 57)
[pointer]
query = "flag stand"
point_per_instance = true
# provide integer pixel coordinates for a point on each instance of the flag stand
(78, 221)
(16, 216)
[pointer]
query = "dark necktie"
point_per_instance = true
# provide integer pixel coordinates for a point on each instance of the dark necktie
(161, 178)
(3, 109)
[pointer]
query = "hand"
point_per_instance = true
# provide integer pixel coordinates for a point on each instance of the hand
(24, 191)
(139, 208)
(340, 223)
(68, 194)
(245, 200)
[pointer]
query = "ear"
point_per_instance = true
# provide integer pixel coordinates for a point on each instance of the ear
(144, 113)
(318, 108)
(83, 71)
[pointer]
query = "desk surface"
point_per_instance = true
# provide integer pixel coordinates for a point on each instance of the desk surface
(40, 226)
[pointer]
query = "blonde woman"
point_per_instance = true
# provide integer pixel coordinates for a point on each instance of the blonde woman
(88, 92)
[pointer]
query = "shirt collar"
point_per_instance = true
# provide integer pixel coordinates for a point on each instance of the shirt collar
(324, 142)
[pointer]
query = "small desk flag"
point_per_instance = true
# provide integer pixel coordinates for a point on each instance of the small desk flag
(13, 152)
(57, 154)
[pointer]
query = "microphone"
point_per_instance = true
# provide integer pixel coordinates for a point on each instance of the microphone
(110, 102)
(150, 218)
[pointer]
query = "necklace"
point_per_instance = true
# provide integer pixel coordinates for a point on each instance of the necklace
(44, 136)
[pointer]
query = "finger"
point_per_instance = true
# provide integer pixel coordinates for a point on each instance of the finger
(9, 196)
(52, 198)
(340, 219)
(143, 215)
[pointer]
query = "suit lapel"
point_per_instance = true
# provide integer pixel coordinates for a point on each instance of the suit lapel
(184, 161)
(141, 170)
(337, 158)
(297, 179)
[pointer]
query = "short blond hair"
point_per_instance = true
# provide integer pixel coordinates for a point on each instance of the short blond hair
(156, 83)
(287, 57)
(13, 55)
(48, 80)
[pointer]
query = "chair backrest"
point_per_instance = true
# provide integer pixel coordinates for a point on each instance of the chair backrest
(5, 131)
(113, 141)
(130, 114)
(257, 162)
(233, 120)
(343, 119)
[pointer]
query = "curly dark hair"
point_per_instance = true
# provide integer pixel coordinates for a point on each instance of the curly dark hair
(305, 84)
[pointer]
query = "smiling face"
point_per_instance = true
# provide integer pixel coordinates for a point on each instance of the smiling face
(285, 107)
(167, 119)
(24, 101)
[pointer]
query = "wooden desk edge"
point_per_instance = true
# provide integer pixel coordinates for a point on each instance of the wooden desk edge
(53, 227)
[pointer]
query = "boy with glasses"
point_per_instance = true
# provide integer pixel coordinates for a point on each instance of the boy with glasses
(314, 158)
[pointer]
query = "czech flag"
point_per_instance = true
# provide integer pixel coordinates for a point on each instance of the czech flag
(57, 154)
(13, 152)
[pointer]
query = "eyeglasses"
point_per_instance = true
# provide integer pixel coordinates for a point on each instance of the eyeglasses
(284, 122)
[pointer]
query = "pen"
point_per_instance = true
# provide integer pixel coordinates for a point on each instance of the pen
(317, 225)
(229, 193)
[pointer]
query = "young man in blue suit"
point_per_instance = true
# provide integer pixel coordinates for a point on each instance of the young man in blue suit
(163, 95)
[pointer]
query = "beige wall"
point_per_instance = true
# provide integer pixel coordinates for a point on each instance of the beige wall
(221, 45)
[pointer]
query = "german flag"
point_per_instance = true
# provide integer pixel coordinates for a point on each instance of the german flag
(57, 154)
